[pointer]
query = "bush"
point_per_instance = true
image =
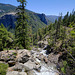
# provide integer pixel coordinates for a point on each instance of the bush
(3, 68)
(63, 69)
(15, 54)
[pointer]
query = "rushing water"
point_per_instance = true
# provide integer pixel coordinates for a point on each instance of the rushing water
(45, 69)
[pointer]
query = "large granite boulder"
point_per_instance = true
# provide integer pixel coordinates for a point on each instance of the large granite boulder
(23, 56)
(26, 67)
(16, 73)
(31, 66)
(18, 67)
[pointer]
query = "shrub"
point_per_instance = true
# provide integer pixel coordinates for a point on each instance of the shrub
(3, 68)
(14, 53)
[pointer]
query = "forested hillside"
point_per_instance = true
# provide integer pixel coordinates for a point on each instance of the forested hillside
(52, 18)
(35, 20)
(5, 8)
(61, 40)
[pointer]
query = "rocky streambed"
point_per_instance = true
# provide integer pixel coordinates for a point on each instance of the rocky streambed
(34, 62)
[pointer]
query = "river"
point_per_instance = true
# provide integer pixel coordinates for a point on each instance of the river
(46, 69)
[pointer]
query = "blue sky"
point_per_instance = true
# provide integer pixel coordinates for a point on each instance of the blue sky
(48, 7)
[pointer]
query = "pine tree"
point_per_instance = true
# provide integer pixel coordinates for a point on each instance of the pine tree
(56, 34)
(21, 32)
(57, 28)
(6, 38)
(66, 19)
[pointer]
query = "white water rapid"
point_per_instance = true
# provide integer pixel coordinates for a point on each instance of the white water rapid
(45, 68)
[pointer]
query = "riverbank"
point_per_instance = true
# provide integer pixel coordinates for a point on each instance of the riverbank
(34, 62)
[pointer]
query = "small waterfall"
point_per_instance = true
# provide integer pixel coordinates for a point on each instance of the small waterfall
(43, 52)
(45, 69)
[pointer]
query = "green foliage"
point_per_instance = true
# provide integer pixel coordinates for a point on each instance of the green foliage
(6, 38)
(65, 63)
(42, 33)
(22, 33)
(3, 68)
(35, 21)
(63, 70)
(73, 33)
(62, 39)
(15, 54)
(69, 19)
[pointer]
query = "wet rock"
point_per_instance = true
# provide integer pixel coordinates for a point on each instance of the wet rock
(58, 67)
(49, 49)
(37, 68)
(27, 61)
(41, 57)
(56, 74)
(45, 59)
(37, 61)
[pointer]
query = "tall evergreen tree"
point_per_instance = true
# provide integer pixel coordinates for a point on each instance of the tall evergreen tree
(21, 32)
(66, 19)
(58, 25)
(6, 38)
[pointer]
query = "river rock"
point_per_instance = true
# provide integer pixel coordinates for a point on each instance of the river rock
(31, 65)
(53, 58)
(11, 63)
(19, 67)
(16, 73)
(30, 73)
(56, 74)
(37, 61)
(7, 56)
(22, 73)
(41, 57)
(23, 56)
(45, 59)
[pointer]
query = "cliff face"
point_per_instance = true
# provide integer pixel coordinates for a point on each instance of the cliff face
(43, 18)
(36, 20)
(8, 17)
(8, 20)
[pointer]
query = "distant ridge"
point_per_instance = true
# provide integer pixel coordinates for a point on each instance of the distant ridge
(52, 18)
(8, 17)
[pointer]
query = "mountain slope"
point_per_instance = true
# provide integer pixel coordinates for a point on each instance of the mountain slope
(52, 18)
(8, 17)
(5, 8)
